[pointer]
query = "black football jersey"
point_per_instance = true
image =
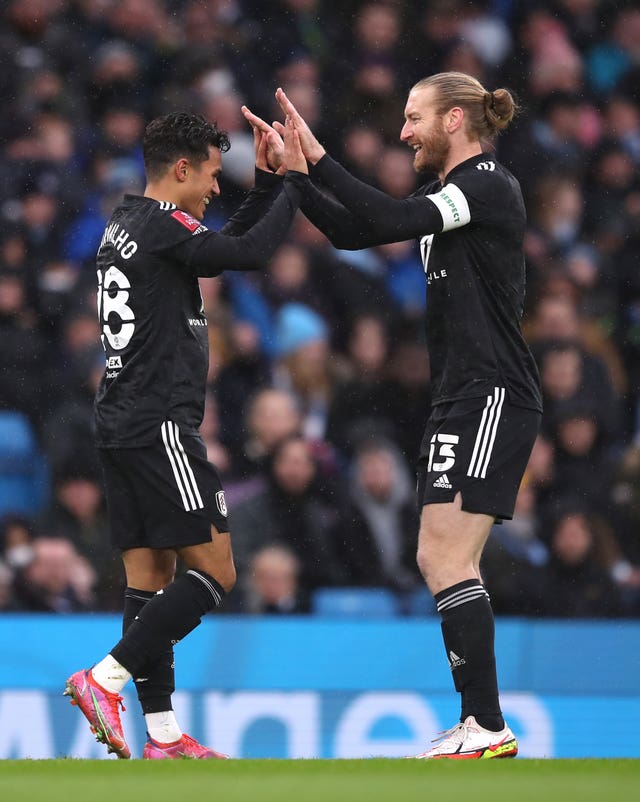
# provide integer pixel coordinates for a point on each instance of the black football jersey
(153, 324)
(471, 233)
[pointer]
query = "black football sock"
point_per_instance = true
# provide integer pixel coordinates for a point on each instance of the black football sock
(157, 683)
(166, 619)
(468, 632)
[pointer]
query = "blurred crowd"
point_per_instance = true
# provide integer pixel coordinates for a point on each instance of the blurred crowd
(319, 375)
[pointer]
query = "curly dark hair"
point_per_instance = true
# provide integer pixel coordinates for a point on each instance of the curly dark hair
(176, 135)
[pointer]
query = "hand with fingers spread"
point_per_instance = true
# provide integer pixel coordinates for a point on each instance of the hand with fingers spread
(311, 148)
(293, 156)
(273, 141)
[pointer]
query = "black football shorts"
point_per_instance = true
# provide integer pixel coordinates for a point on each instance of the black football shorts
(165, 495)
(478, 447)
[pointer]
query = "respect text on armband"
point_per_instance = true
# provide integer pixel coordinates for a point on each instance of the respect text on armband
(452, 206)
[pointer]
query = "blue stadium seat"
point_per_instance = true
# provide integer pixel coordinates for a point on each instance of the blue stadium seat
(355, 602)
(24, 477)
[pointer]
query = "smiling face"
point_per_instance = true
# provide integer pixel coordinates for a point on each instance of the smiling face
(199, 183)
(424, 131)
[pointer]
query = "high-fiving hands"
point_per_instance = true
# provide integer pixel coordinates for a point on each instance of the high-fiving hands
(311, 148)
(293, 156)
(260, 147)
(276, 133)
(274, 144)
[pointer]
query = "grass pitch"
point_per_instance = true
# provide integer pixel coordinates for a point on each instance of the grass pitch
(319, 780)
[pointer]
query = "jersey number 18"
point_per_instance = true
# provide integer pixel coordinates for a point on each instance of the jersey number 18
(114, 315)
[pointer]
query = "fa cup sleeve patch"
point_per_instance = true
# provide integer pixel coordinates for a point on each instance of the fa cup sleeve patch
(186, 219)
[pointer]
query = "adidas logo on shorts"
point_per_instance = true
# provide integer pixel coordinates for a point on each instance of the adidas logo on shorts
(443, 482)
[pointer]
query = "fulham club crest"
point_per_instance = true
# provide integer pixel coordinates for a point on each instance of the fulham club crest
(221, 503)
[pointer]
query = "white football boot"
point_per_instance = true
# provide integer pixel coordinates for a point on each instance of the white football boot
(469, 741)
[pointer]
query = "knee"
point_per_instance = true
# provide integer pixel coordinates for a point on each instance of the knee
(226, 576)
(165, 579)
(424, 558)
(433, 557)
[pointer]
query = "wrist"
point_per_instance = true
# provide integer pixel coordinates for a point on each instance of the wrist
(316, 154)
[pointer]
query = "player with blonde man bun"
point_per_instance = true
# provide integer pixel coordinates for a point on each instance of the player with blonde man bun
(486, 402)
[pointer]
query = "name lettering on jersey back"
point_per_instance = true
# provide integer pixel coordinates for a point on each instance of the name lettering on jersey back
(120, 239)
(196, 321)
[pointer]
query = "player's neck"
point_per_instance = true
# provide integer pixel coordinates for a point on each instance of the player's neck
(460, 152)
(163, 191)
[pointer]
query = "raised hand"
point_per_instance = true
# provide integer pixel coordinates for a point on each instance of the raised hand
(293, 155)
(311, 148)
(273, 141)
(260, 147)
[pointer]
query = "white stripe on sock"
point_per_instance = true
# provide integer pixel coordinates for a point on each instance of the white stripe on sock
(216, 596)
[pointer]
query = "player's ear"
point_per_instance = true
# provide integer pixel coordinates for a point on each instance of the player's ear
(181, 169)
(453, 119)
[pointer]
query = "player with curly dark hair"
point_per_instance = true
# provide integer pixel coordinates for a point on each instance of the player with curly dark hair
(165, 499)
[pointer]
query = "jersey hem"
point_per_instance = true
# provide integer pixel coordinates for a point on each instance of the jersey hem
(450, 399)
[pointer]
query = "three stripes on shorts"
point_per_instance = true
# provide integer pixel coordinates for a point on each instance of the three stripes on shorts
(486, 434)
(182, 472)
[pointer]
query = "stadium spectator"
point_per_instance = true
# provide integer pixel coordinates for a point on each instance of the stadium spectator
(609, 192)
(362, 148)
(23, 351)
(69, 430)
(379, 527)
(272, 585)
(574, 583)
(271, 416)
(611, 60)
(516, 554)
(302, 365)
(77, 513)
(581, 458)
(378, 67)
(569, 375)
(293, 510)
(56, 580)
(16, 541)
(621, 122)
(7, 602)
(360, 404)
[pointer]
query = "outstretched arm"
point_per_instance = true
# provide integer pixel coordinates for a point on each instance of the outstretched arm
(260, 197)
(387, 219)
(210, 253)
(342, 227)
